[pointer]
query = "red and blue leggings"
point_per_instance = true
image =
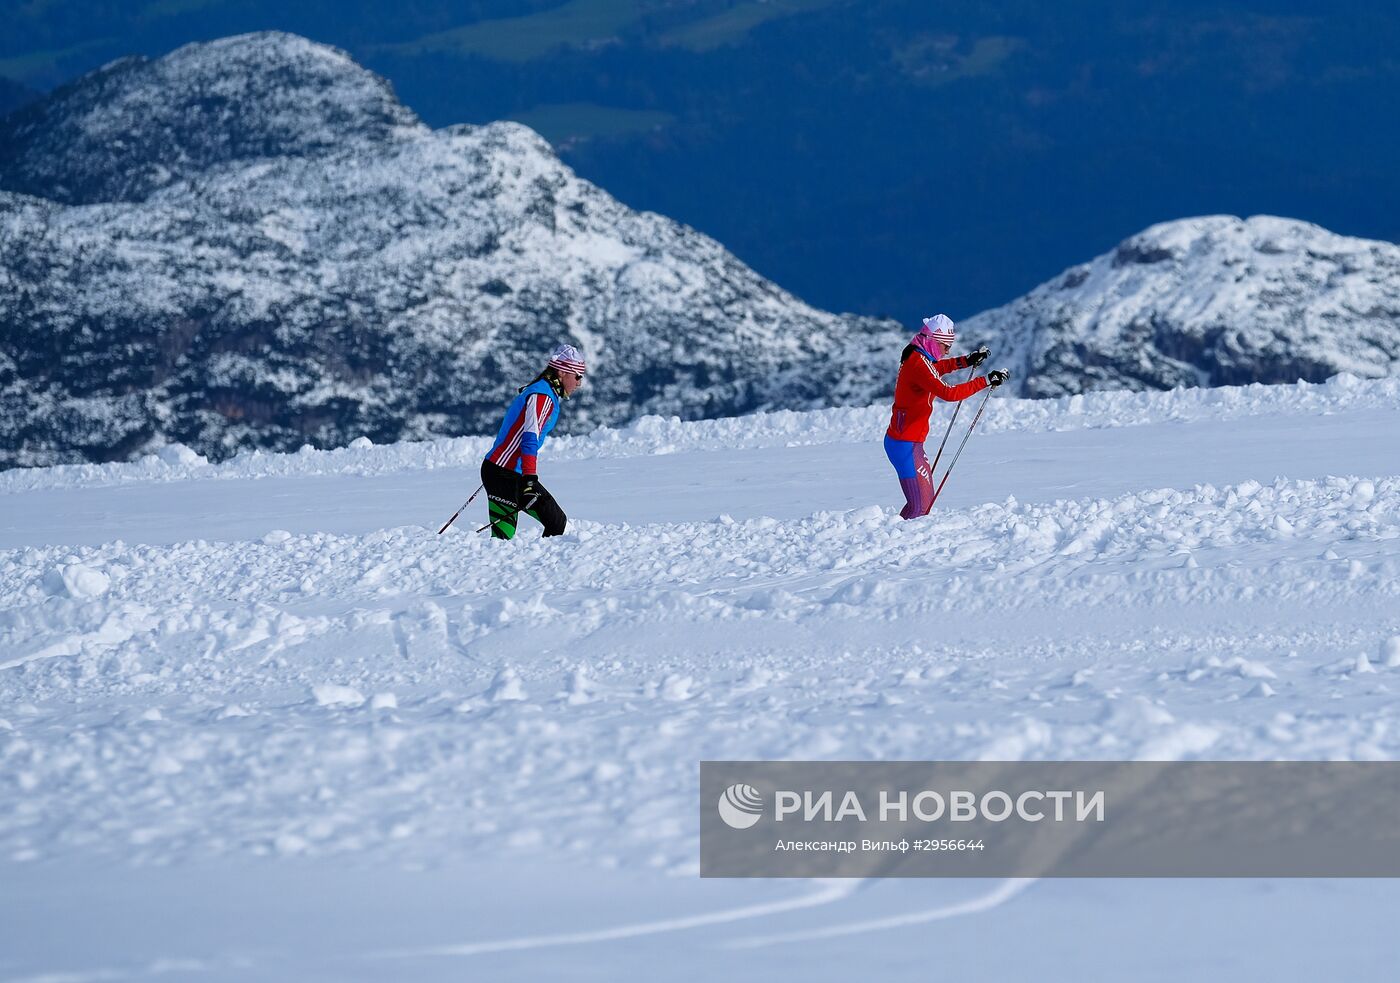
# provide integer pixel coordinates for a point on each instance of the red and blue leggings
(915, 477)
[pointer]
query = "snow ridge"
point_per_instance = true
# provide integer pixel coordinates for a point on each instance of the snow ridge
(652, 435)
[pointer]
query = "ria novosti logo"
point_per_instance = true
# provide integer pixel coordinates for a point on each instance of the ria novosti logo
(740, 806)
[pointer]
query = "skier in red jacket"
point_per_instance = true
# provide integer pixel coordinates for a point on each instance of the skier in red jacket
(919, 384)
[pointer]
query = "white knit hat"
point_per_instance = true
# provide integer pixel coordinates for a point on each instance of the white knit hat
(941, 327)
(566, 358)
(935, 337)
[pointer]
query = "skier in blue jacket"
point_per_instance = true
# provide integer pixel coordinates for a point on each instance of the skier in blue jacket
(509, 471)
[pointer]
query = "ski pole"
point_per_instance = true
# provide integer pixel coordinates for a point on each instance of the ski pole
(934, 466)
(459, 511)
(960, 448)
(528, 506)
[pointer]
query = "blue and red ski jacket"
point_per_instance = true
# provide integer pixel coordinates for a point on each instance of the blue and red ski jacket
(529, 419)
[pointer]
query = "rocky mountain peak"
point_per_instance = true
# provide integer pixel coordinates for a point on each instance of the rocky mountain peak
(325, 268)
(137, 125)
(1209, 301)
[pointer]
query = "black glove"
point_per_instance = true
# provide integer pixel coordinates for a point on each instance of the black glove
(997, 376)
(976, 358)
(528, 489)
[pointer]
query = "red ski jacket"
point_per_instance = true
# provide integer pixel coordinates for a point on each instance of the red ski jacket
(917, 387)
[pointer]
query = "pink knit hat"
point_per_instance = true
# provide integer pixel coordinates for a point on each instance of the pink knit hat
(566, 358)
(936, 336)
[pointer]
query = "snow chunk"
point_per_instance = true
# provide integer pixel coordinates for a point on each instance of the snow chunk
(333, 695)
(1249, 669)
(677, 688)
(580, 687)
(506, 687)
(384, 701)
(178, 455)
(81, 582)
(361, 443)
(1390, 651)
(276, 536)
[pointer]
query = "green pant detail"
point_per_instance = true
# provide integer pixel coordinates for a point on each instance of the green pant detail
(502, 520)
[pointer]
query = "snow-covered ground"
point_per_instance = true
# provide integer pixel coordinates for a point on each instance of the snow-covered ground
(258, 721)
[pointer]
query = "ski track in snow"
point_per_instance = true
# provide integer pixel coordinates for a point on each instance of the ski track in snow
(397, 697)
(827, 893)
(1003, 892)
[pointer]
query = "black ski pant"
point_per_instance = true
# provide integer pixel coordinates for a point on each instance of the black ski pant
(503, 503)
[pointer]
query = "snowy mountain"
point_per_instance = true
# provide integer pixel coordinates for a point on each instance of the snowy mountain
(446, 757)
(1206, 302)
(249, 243)
(136, 125)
